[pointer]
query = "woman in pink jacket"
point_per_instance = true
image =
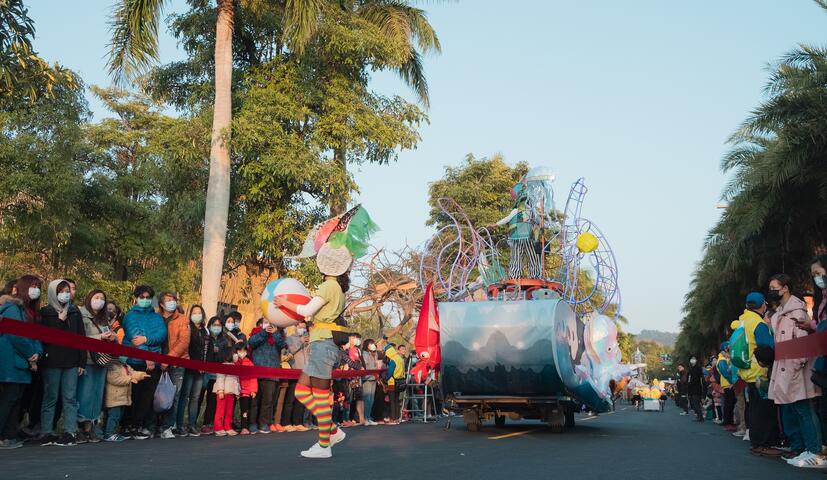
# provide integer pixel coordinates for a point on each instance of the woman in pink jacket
(790, 385)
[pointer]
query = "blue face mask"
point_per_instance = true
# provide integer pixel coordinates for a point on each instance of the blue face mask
(215, 330)
(64, 297)
(144, 302)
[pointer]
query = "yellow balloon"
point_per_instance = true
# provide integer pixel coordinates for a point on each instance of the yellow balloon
(587, 242)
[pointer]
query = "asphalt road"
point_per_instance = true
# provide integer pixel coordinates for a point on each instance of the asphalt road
(625, 444)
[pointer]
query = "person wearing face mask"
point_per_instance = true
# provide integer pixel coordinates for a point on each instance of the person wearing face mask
(219, 347)
(18, 359)
(233, 326)
(248, 404)
(91, 384)
(144, 329)
(293, 415)
(226, 389)
(61, 366)
(763, 424)
(188, 402)
(371, 362)
(695, 387)
(266, 345)
(790, 388)
(177, 345)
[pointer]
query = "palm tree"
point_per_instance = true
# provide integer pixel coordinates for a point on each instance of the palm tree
(134, 47)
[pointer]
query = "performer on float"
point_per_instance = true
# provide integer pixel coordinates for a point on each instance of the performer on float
(521, 240)
(344, 241)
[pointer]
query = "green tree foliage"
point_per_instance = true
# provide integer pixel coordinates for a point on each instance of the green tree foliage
(43, 158)
(777, 195)
(24, 76)
(480, 186)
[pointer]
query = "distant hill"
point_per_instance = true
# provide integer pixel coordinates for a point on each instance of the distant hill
(664, 338)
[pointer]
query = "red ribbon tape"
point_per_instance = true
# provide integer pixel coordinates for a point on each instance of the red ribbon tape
(79, 342)
(813, 345)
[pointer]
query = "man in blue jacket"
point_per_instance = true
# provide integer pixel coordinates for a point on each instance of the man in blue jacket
(144, 329)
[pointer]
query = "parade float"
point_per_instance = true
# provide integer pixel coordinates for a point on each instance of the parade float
(524, 325)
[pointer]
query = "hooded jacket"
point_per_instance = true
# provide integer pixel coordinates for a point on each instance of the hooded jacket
(55, 356)
(790, 379)
(396, 366)
(144, 322)
(758, 333)
(15, 351)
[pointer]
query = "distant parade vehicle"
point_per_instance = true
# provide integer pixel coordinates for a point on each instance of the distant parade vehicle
(535, 340)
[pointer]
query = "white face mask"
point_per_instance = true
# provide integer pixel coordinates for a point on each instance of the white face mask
(64, 297)
(242, 354)
(357, 342)
(97, 304)
(372, 347)
(693, 362)
(229, 326)
(34, 293)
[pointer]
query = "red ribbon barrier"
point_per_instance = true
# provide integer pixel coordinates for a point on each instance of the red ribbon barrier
(79, 342)
(813, 345)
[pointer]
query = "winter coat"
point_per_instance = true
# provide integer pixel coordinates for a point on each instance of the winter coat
(758, 333)
(298, 351)
(267, 353)
(56, 356)
(790, 379)
(15, 351)
(229, 384)
(218, 348)
(249, 385)
(91, 328)
(682, 379)
(118, 391)
(695, 381)
(178, 335)
(144, 322)
(199, 343)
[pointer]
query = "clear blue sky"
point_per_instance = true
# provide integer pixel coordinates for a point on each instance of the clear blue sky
(638, 96)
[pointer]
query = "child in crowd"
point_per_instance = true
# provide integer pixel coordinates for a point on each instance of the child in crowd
(249, 390)
(226, 388)
(119, 379)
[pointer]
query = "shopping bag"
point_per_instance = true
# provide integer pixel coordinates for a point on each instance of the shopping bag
(164, 394)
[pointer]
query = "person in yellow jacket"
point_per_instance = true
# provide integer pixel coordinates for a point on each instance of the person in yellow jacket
(395, 377)
(763, 413)
(729, 376)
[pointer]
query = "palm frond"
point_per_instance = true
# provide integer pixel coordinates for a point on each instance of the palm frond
(413, 73)
(301, 20)
(134, 44)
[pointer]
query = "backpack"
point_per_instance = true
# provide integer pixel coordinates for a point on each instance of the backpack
(341, 335)
(739, 349)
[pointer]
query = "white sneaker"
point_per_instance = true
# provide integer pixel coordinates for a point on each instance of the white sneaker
(317, 451)
(739, 433)
(167, 434)
(146, 432)
(684, 413)
(802, 459)
(370, 423)
(746, 435)
(340, 436)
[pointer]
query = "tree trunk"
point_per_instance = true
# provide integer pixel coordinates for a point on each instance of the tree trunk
(339, 204)
(218, 188)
